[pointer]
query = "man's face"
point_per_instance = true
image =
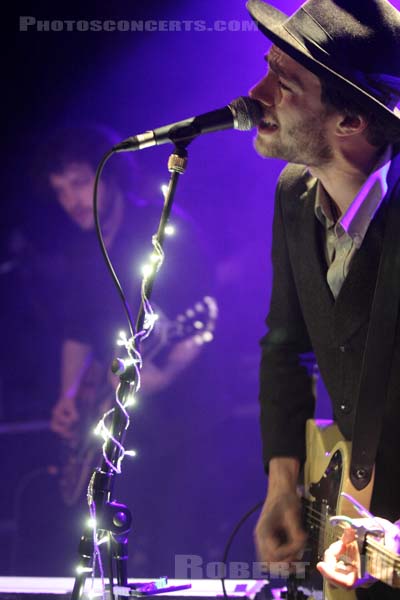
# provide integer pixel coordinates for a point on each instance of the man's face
(74, 191)
(295, 125)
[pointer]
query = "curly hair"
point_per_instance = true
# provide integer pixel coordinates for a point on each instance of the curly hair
(378, 133)
(81, 144)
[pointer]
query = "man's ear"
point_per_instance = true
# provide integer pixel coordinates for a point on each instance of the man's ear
(350, 125)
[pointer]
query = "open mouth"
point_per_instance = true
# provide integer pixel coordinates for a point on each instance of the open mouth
(267, 125)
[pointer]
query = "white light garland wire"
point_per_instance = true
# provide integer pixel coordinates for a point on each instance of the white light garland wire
(96, 552)
(150, 318)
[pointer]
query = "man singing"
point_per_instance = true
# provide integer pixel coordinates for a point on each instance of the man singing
(330, 101)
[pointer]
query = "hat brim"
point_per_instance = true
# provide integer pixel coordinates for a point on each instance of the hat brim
(270, 22)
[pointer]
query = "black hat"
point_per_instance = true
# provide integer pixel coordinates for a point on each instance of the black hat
(354, 43)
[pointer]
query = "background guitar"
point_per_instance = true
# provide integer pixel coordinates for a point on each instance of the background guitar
(96, 393)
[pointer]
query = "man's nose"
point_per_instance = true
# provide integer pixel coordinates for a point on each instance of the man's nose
(263, 91)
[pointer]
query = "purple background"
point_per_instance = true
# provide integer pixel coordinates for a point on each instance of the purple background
(138, 81)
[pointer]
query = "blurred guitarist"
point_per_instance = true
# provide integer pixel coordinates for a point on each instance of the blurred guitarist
(76, 307)
(92, 314)
(331, 104)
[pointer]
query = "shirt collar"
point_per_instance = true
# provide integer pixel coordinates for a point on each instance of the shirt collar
(355, 221)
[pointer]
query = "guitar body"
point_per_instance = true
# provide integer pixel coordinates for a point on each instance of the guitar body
(326, 476)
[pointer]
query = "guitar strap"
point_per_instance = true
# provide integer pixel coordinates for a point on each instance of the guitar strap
(378, 353)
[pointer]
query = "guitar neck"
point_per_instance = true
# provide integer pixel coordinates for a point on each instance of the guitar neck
(381, 562)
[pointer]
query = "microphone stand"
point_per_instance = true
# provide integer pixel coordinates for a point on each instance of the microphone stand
(112, 518)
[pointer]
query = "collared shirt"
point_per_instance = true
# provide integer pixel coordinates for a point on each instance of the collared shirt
(344, 237)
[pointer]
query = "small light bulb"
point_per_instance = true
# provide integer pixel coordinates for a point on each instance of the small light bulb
(150, 320)
(208, 336)
(122, 338)
(164, 189)
(130, 452)
(147, 270)
(130, 402)
(154, 258)
(80, 569)
(91, 523)
(169, 230)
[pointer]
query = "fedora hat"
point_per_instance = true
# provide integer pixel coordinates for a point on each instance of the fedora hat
(353, 43)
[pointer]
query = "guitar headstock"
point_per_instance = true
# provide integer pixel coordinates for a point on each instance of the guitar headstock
(198, 321)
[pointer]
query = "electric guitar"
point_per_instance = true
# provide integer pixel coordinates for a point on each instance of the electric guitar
(96, 393)
(326, 477)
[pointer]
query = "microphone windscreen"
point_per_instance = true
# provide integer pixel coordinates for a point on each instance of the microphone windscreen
(248, 112)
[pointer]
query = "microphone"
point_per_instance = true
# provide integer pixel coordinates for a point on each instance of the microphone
(242, 113)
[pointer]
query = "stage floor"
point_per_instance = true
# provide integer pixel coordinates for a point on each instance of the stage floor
(57, 588)
(62, 586)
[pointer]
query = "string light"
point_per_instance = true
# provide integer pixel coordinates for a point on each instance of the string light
(208, 336)
(130, 453)
(169, 230)
(103, 428)
(80, 569)
(150, 320)
(96, 559)
(147, 270)
(103, 539)
(131, 401)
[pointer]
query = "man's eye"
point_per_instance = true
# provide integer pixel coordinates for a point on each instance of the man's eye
(283, 86)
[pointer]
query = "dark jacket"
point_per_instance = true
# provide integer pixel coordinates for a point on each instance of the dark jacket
(308, 327)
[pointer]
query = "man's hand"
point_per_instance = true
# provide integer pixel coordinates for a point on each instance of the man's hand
(279, 536)
(75, 361)
(157, 378)
(64, 417)
(342, 562)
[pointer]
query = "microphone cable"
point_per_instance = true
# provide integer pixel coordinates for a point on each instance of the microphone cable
(232, 536)
(103, 248)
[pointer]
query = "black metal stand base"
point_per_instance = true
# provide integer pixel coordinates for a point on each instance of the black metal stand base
(113, 519)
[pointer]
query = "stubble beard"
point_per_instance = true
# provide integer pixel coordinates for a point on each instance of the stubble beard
(305, 143)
